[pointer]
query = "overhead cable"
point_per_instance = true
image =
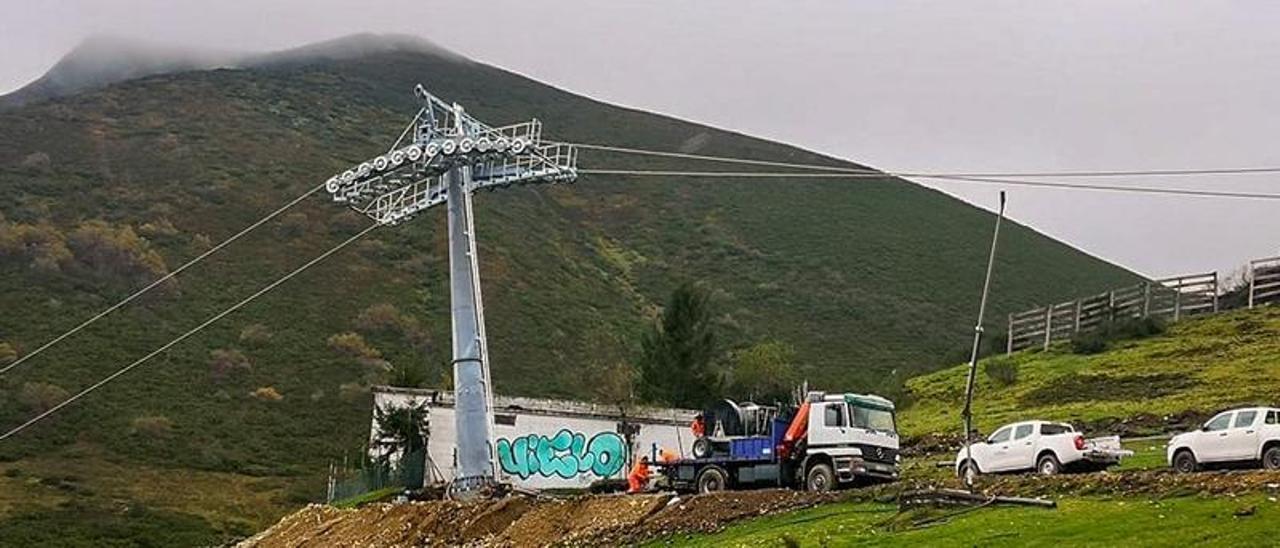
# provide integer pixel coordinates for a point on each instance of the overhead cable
(161, 280)
(955, 178)
(186, 335)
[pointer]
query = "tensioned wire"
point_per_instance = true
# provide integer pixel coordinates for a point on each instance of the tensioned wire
(186, 335)
(955, 178)
(929, 174)
(162, 279)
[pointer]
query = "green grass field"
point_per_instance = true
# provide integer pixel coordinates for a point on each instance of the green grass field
(1076, 522)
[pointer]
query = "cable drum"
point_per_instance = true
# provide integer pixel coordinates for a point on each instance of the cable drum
(398, 157)
(483, 144)
(449, 146)
(380, 163)
(466, 145)
(501, 145)
(518, 146)
(331, 186)
(414, 152)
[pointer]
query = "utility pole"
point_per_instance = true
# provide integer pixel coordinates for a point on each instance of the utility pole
(450, 156)
(977, 342)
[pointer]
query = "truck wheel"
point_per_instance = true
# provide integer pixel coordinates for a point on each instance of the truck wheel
(820, 478)
(1184, 462)
(969, 472)
(1271, 458)
(712, 479)
(1048, 465)
(701, 448)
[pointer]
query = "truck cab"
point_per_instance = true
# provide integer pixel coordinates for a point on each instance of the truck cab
(850, 437)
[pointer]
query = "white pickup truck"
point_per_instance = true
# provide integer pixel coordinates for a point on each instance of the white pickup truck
(1046, 447)
(1240, 436)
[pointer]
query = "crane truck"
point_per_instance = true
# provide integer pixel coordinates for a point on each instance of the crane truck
(829, 441)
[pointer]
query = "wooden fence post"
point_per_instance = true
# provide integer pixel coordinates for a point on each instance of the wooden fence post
(1253, 280)
(1111, 305)
(1177, 301)
(1215, 291)
(1076, 329)
(1146, 299)
(1048, 325)
(1009, 336)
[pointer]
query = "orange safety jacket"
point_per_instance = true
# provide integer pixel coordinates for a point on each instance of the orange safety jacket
(638, 479)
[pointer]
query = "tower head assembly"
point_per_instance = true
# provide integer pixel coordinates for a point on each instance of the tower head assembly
(394, 186)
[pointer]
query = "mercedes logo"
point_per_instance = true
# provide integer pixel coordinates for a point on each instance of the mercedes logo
(880, 453)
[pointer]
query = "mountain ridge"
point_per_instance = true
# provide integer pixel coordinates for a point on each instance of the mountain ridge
(101, 60)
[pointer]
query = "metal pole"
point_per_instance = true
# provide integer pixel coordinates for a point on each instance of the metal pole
(977, 341)
(470, 379)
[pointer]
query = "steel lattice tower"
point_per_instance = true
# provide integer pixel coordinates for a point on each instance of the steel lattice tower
(450, 156)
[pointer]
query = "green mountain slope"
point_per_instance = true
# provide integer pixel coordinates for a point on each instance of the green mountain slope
(871, 281)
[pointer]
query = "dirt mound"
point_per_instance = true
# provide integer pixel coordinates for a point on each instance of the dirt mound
(1144, 424)
(525, 521)
(931, 444)
(581, 520)
(707, 513)
(1096, 387)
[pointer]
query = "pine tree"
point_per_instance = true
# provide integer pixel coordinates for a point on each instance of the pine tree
(677, 352)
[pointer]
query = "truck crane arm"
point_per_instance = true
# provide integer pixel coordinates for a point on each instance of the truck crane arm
(796, 431)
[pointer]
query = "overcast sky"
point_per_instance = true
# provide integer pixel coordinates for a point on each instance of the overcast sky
(917, 86)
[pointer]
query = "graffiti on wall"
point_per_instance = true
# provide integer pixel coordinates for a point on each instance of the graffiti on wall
(566, 455)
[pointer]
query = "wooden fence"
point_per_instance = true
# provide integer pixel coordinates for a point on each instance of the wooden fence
(1264, 281)
(1169, 299)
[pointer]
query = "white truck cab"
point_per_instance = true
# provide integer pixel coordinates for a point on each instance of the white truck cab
(850, 436)
(1240, 436)
(1043, 446)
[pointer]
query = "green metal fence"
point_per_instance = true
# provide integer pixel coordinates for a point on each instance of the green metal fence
(408, 473)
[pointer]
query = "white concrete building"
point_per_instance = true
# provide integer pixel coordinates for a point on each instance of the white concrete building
(541, 443)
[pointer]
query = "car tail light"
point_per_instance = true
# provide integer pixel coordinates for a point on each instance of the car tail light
(1080, 443)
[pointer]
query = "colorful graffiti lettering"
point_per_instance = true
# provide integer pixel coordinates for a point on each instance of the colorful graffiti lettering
(566, 454)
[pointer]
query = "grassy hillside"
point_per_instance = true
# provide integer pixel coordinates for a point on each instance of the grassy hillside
(871, 282)
(1077, 522)
(1197, 367)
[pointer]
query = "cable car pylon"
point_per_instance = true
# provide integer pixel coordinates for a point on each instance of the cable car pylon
(449, 156)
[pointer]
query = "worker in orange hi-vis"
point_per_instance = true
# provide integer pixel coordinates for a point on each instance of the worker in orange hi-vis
(667, 455)
(638, 479)
(699, 427)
